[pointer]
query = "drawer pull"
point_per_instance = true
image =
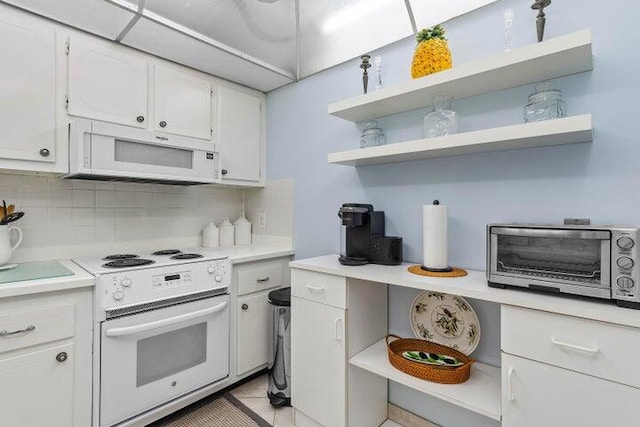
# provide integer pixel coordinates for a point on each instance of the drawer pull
(263, 280)
(29, 328)
(509, 384)
(315, 289)
(591, 350)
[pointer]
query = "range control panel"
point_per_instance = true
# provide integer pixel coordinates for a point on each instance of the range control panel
(132, 287)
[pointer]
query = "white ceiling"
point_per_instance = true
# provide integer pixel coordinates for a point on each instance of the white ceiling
(264, 44)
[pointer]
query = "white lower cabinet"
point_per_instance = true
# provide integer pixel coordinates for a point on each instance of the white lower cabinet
(332, 320)
(318, 362)
(251, 310)
(37, 388)
(45, 360)
(253, 315)
(535, 394)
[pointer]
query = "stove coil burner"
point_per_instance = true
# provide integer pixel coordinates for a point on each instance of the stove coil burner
(167, 252)
(128, 262)
(186, 256)
(116, 257)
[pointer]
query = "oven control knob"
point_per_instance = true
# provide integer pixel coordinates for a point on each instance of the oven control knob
(118, 296)
(218, 278)
(625, 243)
(625, 282)
(624, 262)
(211, 269)
(126, 282)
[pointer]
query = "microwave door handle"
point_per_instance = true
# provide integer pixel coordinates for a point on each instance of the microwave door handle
(130, 330)
(563, 234)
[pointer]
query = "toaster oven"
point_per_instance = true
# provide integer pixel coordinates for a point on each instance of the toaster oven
(599, 262)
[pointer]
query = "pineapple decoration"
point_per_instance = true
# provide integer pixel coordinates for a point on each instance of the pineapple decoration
(432, 53)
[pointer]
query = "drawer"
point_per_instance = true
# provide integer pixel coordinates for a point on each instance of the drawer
(259, 276)
(319, 287)
(596, 348)
(20, 329)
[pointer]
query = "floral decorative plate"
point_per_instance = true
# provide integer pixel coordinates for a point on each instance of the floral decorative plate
(445, 319)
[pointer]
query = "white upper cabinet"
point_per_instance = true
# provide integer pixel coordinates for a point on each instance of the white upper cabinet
(107, 83)
(182, 103)
(239, 121)
(27, 90)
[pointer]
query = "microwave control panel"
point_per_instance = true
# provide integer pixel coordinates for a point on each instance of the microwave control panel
(624, 265)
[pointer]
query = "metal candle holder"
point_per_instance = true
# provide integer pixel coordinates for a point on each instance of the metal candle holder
(539, 5)
(365, 66)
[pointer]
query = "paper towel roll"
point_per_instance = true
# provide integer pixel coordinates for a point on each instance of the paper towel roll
(434, 236)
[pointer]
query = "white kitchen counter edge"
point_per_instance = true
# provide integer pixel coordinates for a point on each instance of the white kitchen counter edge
(238, 254)
(79, 279)
(474, 286)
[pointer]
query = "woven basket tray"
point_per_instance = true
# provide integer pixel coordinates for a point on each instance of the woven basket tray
(436, 374)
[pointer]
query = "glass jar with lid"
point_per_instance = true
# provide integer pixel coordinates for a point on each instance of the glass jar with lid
(372, 135)
(545, 103)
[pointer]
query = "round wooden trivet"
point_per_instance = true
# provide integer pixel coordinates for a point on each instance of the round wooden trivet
(457, 272)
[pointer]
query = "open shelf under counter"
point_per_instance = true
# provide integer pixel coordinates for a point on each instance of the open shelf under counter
(553, 58)
(567, 130)
(480, 394)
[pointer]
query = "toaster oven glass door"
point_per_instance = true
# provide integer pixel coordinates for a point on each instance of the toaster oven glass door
(576, 257)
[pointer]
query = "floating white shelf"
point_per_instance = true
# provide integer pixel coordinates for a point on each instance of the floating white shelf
(567, 130)
(557, 57)
(480, 394)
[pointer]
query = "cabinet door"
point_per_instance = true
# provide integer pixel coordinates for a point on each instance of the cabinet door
(536, 394)
(318, 361)
(36, 389)
(27, 91)
(253, 332)
(182, 103)
(239, 133)
(107, 83)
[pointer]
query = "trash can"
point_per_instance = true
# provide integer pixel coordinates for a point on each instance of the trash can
(280, 368)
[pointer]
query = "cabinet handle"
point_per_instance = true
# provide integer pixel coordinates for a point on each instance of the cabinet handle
(140, 119)
(45, 152)
(591, 350)
(338, 335)
(62, 356)
(29, 328)
(224, 171)
(163, 124)
(244, 306)
(264, 279)
(509, 384)
(315, 289)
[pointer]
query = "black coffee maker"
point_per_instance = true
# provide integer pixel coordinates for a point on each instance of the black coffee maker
(361, 224)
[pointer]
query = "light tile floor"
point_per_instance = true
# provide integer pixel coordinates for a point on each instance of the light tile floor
(254, 395)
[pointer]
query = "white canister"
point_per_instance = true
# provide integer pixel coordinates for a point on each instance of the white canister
(226, 233)
(210, 236)
(6, 248)
(243, 231)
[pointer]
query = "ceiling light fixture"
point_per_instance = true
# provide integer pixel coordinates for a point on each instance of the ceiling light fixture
(349, 14)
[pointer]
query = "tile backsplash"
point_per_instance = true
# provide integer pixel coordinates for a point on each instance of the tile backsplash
(275, 203)
(76, 213)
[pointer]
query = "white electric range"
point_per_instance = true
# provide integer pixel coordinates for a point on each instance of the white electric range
(161, 328)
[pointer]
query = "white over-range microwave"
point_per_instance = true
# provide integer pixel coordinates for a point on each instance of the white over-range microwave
(109, 152)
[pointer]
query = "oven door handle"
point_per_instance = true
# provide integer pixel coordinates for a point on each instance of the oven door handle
(130, 330)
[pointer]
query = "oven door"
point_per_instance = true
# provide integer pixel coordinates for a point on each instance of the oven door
(566, 260)
(150, 358)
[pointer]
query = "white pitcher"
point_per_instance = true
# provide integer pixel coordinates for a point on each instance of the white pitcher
(6, 249)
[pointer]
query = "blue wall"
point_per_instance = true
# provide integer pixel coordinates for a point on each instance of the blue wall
(596, 180)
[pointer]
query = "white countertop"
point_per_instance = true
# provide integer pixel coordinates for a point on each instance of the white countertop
(272, 248)
(475, 286)
(79, 279)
